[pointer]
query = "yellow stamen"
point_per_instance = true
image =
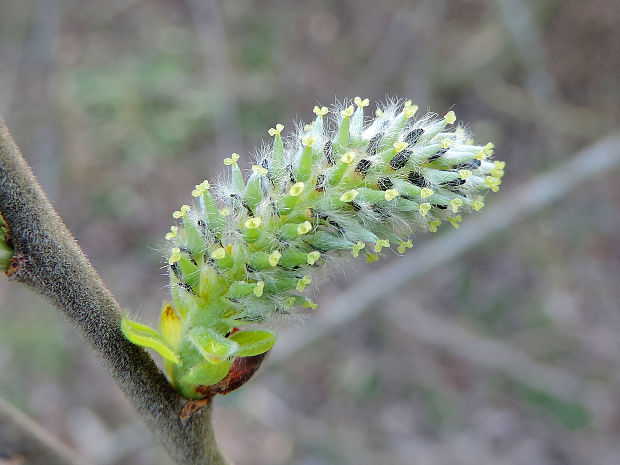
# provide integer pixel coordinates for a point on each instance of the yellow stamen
(361, 103)
(404, 245)
(274, 257)
(218, 253)
(259, 170)
(172, 234)
(400, 146)
(175, 256)
(320, 111)
(456, 221)
(201, 188)
(450, 117)
(446, 143)
(380, 244)
(456, 204)
(391, 194)
(313, 257)
(425, 192)
(424, 208)
(253, 223)
(357, 247)
(410, 110)
(258, 289)
(349, 196)
(304, 228)
(232, 160)
(348, 158)
(308, 140)
(277, 130)
(309, 303)
(302, 283)
(347, 111)
(296, 189)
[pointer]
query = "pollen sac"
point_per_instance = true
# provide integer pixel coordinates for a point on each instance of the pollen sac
(417, 179)
(384, 183)
(400, 160)
(437, 154)
(344, 185)
(328, 150)
(363, 166)
(373, 144)
(413, 135)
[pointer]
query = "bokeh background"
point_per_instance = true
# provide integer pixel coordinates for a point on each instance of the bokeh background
(508, 353)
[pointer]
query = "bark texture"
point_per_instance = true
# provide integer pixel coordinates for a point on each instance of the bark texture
(48, 260)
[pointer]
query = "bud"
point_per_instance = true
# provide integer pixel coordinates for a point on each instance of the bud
(325, 192)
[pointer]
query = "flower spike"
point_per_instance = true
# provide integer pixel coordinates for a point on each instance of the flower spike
(359, 188)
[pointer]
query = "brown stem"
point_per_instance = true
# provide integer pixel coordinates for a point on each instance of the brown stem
(48, 259)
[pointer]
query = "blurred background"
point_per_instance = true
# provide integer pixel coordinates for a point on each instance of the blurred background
(507, 352)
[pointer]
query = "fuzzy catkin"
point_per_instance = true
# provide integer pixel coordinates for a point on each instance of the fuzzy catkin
(341, 185)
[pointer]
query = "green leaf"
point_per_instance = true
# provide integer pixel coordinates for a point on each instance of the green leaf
(144, 336)
(253, 342)
(205, 373)
(214, 347)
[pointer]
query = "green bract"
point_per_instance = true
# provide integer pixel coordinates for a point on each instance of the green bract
(248, 248)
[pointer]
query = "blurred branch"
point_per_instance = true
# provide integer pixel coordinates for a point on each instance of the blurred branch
(369, 290)
(21, 437)
(530, 45)
(259, 403)
(494, 355)
(388, 56)
(34, 89)
(208, 21)
(525, 106)
(421, 65)
(48, 260)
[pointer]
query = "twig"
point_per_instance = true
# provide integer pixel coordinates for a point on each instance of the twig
(21, 437)
(594, 160)
(48, 260)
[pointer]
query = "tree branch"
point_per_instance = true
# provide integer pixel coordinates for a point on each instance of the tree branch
(48, 260)
(22, 437)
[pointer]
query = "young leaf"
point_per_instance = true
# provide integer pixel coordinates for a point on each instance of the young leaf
(144, 336)
(214, 347)
(204, 374)
(253, 342)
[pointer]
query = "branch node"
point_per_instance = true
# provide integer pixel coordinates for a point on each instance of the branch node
(17, 263)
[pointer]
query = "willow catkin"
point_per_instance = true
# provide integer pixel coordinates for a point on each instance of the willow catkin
(247, 249)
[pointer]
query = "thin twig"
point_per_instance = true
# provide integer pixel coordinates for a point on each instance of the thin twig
(517, 204)
(48, 260)
(21, 437)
